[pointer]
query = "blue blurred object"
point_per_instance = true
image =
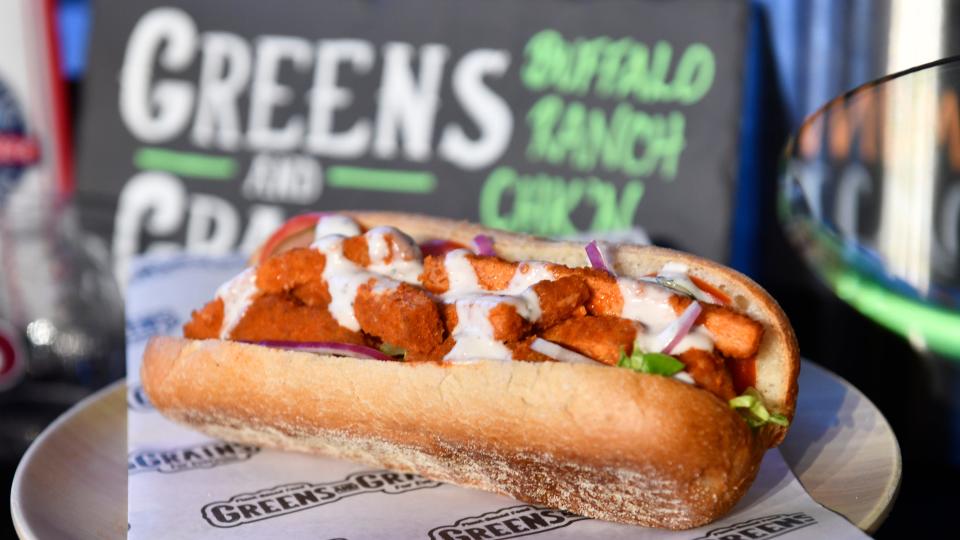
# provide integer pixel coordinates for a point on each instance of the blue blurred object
(73, 20)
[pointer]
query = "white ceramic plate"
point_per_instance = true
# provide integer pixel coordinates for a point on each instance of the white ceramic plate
(72, 482)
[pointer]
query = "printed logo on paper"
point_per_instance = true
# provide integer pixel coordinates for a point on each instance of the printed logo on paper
(761, 528)
(289, 498)
(18, 150)
(158, 323)
(188, 458)
(137, 399)
(512, 522)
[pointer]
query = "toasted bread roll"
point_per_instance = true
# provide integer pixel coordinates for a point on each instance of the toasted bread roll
(601, 441)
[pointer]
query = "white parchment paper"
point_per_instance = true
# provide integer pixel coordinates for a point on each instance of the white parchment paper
(185, 485)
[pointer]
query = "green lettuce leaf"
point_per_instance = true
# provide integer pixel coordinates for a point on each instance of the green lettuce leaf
(653, 363)
(752, 409)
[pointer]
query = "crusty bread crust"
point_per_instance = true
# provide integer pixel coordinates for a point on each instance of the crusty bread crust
(605, 443)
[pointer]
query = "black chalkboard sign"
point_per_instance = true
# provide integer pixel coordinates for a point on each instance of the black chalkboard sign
(206, 123)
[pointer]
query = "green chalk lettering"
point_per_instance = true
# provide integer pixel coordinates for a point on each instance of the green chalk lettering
(565, 203)
(493, 191)
(588, 53)
(635, 143)
(618, 68)
(611, 63)
(544, 204)
(544, 54)
(569, 137)
(542, 119)
(604, 198)
(670, 144)
(629, 201)
(695, 73)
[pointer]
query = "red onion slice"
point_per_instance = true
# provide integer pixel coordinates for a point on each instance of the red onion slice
(327, 347)
(439, 247)
(596, 258)
(561, 354)
(483, 245)
(679, 328)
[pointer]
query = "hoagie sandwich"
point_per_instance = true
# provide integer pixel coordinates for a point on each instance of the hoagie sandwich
(633, 384)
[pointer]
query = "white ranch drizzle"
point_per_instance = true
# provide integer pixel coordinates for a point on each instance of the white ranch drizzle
(678, 273)
(649, 304)
(460, 274)
(645, 302)
(335, 224)
(474, 332)
(236, 295)
(344, 278)
(404, 266)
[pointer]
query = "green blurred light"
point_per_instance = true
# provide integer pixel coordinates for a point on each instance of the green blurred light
(938, 328)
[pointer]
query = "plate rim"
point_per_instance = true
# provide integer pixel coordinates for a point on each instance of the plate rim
(20, 521)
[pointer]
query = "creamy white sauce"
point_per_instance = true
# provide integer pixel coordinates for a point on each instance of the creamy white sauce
(460, 274)
(698, 338)
(335, 224)
(236, 295)
(474, 332)
(646, 303)
(527, 275)
(678, 272)
(405, 263)
(344, 278)
(649, 304)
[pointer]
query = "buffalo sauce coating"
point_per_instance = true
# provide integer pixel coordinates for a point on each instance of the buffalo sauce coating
(374, 287)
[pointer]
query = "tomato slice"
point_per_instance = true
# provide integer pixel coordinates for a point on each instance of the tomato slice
(743, 372)
(439, 247)
(293, 226)
(711, 290)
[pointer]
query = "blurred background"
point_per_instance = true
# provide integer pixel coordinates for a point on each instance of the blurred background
(147, 125)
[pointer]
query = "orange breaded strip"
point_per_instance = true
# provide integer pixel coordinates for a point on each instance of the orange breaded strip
(290, 270)
(356, 250)
(434, 355)
(605, 296)
(205, 323)
(404, 316)
(735, 335)
(399, 246)
(709, 372)
(600, 338)
(273, 317)
(493, 273)
(521, 351)
(434, 277)
(560, 299)
(507, 324)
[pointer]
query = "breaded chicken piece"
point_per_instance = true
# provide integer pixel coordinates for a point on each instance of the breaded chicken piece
(735, 335)
(521, 351)
(708, 372)
(280, 318)
(602, 338)
(404, 316)
(205, 323)
(561, 299)
(298, 271)
(493, 273)
(507, 324)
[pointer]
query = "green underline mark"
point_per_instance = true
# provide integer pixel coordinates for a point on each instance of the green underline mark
(341, 176)
(190, 164)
